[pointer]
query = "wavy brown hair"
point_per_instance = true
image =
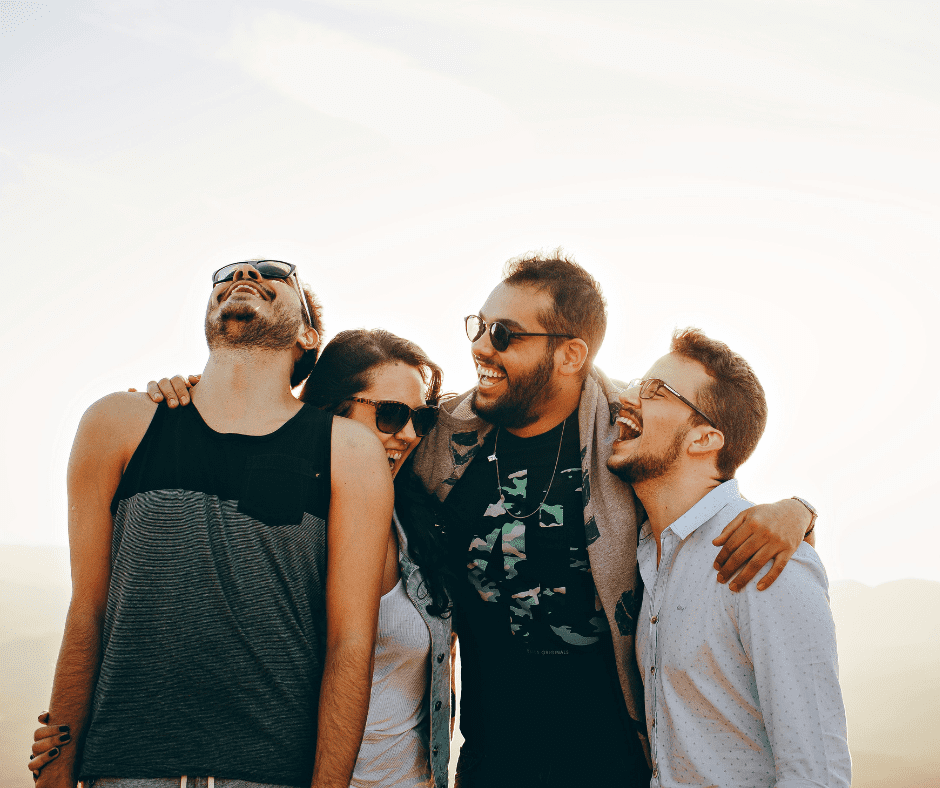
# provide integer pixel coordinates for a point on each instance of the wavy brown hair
(345, 368)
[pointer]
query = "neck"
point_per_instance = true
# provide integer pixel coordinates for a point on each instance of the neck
(668, 497)
(246, 391)
(555, 412)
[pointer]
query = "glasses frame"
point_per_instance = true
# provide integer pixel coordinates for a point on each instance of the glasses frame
(411, 413)
(645, 384)
(291, 274)
(497, 326)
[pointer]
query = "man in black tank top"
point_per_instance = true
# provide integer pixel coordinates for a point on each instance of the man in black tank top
(204, 596)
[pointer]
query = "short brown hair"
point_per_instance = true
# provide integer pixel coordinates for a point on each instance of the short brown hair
(733, 398)
(579, 305)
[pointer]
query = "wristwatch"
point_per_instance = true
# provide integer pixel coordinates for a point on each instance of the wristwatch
(812, 511)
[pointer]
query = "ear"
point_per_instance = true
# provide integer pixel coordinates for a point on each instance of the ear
(705, 440)
(571, 356)
(308, 339)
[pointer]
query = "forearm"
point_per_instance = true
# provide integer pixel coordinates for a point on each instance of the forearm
(344, 704)
(72, 689)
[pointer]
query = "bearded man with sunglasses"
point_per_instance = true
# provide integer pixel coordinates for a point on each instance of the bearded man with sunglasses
(206, 593)
(742, 690)
(543, 540)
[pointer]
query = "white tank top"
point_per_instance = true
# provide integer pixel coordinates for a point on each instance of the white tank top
(394, 748)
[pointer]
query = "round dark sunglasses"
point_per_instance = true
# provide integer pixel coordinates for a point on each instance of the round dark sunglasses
(269, 269)
(500, 336)
(391, 416)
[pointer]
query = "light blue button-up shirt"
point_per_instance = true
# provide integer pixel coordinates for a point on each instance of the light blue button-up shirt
(742, 689)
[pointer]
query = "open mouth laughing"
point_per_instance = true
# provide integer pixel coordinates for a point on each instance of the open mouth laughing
(488, 377)
(630, 425)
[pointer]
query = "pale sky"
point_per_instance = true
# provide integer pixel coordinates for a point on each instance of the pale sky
(769, 172)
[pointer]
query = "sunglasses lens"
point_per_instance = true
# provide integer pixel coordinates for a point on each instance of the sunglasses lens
(224, 274)
(499, 336)
(274, 269)
(423, 420)
(475, 327)
(390, 417)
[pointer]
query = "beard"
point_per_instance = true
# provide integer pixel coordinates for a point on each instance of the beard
(521, 403)
(238, 325)
(643, 467)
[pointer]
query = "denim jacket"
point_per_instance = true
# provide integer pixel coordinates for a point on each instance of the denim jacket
(441, 664)
(610, 512)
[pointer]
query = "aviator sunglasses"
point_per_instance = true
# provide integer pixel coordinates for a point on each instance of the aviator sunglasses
(269, 269)
(391, 416)
(500, 336)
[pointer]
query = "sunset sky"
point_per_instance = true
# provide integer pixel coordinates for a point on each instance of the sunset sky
(769, 172)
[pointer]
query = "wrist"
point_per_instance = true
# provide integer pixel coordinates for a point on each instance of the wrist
(812, 514)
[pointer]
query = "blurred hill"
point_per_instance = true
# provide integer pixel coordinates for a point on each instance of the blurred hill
(889, 654)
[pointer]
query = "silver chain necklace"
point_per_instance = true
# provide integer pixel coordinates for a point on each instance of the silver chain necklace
(499, 487)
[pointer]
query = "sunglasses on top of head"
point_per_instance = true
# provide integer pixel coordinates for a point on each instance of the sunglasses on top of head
(269, 269)
(391, 416)
(500, 335)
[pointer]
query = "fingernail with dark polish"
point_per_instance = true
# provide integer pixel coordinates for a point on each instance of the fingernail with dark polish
(64, 729)
(53, 752)
(65, 737)
(31, 757)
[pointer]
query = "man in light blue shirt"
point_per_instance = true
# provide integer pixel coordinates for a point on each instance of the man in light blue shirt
(741, 689)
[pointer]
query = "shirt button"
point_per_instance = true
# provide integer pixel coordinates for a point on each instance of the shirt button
(437, 706)
(652, 670)
(434, 751)
(440, 658)
(656, 773)
(653, 724)
(653, 620)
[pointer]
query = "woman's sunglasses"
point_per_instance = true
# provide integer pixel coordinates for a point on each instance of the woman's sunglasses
(500, 336)
(391, 416)
(269, 269)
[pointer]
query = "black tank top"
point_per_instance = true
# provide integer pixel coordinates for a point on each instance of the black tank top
(215, 629)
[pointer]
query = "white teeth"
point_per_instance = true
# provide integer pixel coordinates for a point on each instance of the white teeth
(486, 372)
(629, 422)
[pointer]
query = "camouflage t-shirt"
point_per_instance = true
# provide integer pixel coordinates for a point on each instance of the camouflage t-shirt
(535, 645)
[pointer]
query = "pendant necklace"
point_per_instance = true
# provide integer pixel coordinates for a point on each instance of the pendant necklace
(499, 487)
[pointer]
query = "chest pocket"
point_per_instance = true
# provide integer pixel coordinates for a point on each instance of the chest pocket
(278, 489)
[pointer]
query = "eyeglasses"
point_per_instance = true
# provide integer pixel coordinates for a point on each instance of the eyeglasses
(391, 416)
(500, 336)
(651, 386)
(269, 269)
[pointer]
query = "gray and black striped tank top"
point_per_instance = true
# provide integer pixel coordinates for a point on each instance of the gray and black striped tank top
(215, 629)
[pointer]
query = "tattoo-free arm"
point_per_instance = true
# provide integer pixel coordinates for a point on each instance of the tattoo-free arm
(357, 537)
(766, 532)
(106, 436)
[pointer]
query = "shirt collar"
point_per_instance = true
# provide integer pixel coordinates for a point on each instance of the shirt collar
(705, 509)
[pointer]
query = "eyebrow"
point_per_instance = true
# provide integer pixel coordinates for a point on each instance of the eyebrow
(506, 321)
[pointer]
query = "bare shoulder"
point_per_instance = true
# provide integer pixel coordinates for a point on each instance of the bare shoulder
(115, 424)
(355, 452)
(352, 438)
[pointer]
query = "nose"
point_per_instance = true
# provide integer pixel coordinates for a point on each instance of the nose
(631, 397)
(246, 271)
(482, 346)
(407, 433)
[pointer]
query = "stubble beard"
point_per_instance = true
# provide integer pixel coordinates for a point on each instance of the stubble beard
(520, 405)
(644, 467)
(239, 326)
